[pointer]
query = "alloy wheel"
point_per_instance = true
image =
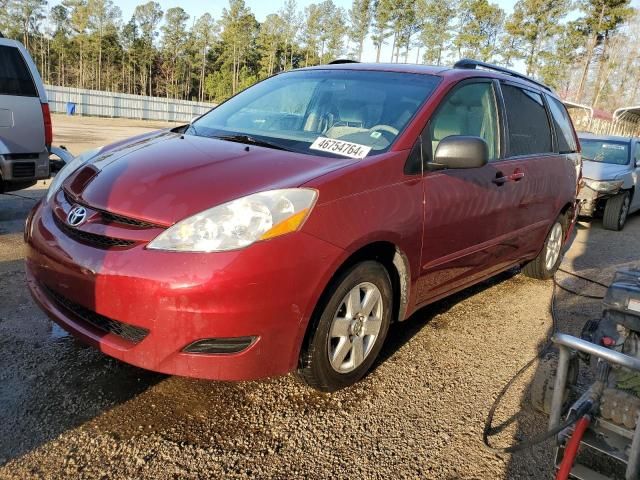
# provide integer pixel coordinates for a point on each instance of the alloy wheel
(355, 327)
(554, 245)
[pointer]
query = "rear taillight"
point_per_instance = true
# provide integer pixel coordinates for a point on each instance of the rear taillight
(48, 129)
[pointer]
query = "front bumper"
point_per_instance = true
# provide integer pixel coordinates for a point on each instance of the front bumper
(21, 168)
(588, 200)
(591, 200)
(267, 291)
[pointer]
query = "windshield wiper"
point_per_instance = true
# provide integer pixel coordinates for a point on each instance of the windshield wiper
(247, 139)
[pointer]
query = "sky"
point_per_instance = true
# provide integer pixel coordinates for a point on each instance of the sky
(261, 8)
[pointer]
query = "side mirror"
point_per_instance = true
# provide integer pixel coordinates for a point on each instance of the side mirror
(459, 151)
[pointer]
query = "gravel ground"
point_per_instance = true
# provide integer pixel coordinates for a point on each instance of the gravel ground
(70, 412)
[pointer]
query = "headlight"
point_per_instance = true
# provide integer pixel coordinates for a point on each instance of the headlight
(603, 185)
(68, 169)
(240, 222)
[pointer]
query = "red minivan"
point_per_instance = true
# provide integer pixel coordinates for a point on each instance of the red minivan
(289, 226)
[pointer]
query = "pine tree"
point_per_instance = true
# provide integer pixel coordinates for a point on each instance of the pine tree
(480, 24)
(381, 19)
(239, 30)
(272, 42)
(531, 26)
(360, 17)
(174, 37)
(436, 18)
(204, 32)
(601, 18)
(147, 17)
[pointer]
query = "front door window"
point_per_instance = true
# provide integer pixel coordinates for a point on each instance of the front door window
(469, 110)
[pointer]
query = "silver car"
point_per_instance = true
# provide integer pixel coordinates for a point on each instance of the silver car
(610, 172)
(25, 122)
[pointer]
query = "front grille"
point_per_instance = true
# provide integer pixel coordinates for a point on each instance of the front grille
(108, 217)
(23, 170)
(21, 156)
(92, 239)
(123, 330)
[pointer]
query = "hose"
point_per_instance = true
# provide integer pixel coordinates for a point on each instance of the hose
(571, 450)
(489, 430)
(530, 442)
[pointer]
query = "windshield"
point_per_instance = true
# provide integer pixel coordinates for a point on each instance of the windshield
(299, 109)
(616, 153)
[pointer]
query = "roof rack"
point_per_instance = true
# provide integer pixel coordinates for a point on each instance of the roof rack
(470, 64)
(340, 61)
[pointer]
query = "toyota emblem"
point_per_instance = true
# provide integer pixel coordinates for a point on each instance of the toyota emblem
(77, 215)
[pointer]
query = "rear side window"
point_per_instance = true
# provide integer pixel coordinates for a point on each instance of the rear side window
(562, 123)
(529, 131)
(15, 78)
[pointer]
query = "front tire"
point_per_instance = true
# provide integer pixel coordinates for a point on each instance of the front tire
(545, 265)
(616, 211)
(349, 329)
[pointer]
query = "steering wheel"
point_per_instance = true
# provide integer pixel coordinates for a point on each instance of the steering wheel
(385, 128)
(393, 132)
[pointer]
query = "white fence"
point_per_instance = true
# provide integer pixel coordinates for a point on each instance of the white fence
(122, 105)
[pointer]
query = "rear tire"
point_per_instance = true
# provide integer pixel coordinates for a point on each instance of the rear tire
(616, 211)
(349, 328)
(545, 265)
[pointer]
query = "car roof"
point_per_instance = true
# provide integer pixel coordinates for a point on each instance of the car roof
(606, 138)
(446, 72)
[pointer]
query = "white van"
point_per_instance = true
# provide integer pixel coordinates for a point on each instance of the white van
(25, 123)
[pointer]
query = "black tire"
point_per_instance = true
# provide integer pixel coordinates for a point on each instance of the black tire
(616, 211)
(538, 268)
(314, 367)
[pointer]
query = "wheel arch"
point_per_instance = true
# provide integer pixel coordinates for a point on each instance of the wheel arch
(566, 208)
(632, 191)
(392, 258)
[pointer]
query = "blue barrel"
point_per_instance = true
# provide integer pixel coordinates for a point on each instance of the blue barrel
(71, 108)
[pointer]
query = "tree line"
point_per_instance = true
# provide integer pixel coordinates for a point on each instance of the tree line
(589, 50)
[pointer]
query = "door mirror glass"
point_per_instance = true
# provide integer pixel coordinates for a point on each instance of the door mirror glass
(459, 151)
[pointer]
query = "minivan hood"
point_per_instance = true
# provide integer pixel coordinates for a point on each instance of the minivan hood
(602, 171)
(165, 177)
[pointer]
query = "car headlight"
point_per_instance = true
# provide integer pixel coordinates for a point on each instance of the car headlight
(68, 169)
(603, 185)
(239, 223)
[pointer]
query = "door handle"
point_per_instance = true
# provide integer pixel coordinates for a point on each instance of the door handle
(502, 179)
